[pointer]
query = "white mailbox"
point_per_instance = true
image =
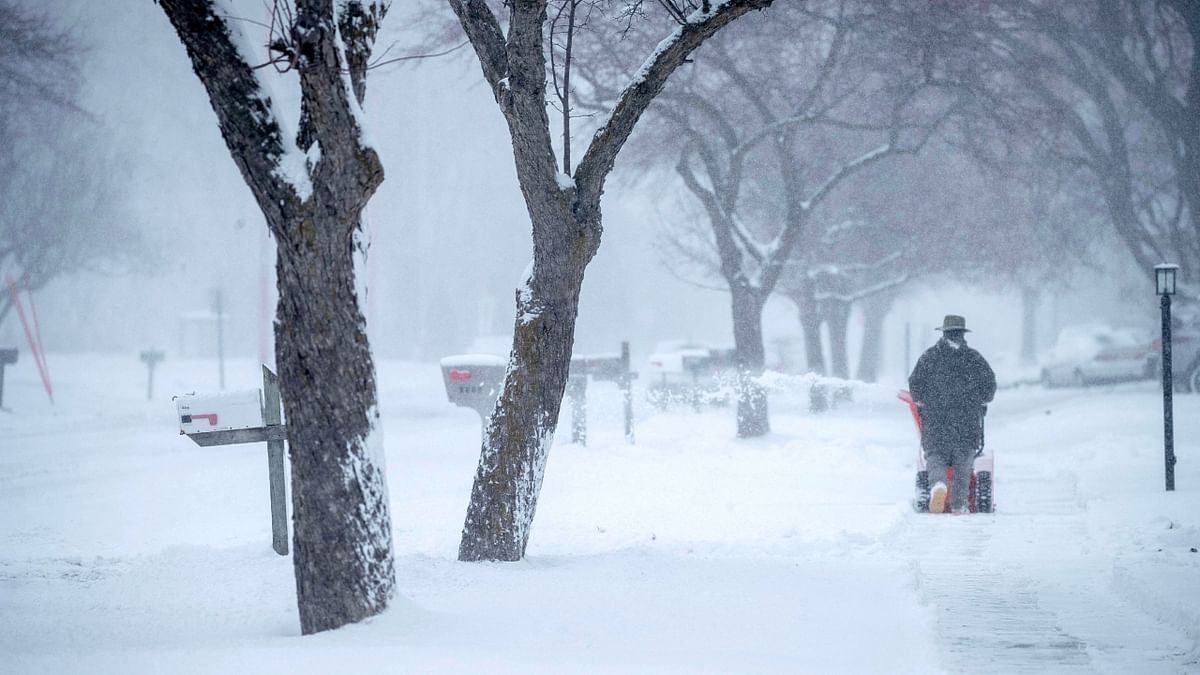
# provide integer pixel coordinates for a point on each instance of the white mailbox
(223, 419)
(219, 412)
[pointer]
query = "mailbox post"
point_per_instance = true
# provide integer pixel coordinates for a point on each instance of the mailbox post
(244, 417)
(610, 368)
(577, 381)
(8, 356)
(151, 357)
(474, 381)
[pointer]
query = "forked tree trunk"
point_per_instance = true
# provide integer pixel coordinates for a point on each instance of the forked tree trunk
(508, 478)
(564, 211)
(753, 418)
(342, 528)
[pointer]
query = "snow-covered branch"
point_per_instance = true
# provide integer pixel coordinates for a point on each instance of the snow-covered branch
(846, 170)
(672, 52)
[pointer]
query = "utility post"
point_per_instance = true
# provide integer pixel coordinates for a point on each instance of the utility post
(1164, 284)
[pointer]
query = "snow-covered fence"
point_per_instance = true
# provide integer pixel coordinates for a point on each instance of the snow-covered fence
(251, 416)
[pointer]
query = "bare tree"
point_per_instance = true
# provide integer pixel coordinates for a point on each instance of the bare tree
(862, 258)
(312, 189)
(56, 217)
(564, 210)
(771, 133)
(1152, 49)
(1099, 86)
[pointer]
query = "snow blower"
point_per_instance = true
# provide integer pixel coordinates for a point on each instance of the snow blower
(982, 497)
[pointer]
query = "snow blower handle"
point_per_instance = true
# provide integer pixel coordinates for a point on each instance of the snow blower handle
(982, 414)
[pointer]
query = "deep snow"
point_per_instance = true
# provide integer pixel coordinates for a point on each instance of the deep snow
(126, 548)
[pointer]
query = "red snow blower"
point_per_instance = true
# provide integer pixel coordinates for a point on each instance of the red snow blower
(982, 496)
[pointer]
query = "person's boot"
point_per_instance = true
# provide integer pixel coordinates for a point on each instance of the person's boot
(937, 498)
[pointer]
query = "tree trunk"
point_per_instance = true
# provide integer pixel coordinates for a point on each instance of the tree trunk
(837, 314)
(340, 512)
(810, 323)
(875, 309)
(342, 527)
(1030, 299)
(752, 414)
(508, 478)
(565, 214)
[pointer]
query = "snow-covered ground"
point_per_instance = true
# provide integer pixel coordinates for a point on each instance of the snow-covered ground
(125, 548)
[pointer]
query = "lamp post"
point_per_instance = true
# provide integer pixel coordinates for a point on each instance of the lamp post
(1164, 285)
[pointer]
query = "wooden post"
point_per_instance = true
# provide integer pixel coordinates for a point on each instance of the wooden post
(577, 395)
(150, 357)
(626, 385)
(7, 356)
(273, 416)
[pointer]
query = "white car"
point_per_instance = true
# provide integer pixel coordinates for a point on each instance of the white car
(685, 371)
(1095, 353)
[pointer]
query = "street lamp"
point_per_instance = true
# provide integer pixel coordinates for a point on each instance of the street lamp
(1164, 285)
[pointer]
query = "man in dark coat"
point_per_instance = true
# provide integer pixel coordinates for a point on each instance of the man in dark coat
(951, 385)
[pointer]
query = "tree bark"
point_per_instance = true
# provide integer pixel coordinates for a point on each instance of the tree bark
(512, 461)
(1030, 299)
(752, 414)
(342, 526)
(810, 322)
(875, 309)
(837, 315)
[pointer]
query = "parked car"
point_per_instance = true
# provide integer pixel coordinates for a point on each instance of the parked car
(1185, 347)
(685, 371)
(1096, 353)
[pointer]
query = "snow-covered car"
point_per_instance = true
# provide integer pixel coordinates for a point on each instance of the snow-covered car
(1185, 347)
(1095, 353)
(681, 370)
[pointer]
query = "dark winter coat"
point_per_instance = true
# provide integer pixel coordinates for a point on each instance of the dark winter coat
(952, 383)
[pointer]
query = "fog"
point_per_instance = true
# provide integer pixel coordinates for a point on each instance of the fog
(450, 236)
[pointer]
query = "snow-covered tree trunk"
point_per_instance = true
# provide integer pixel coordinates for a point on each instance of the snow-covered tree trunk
(1030, 299)
(837, 317)
(752, 413)
(564, 212)
(312, 192)
(508, 479)
(803, 297)
(875, 308)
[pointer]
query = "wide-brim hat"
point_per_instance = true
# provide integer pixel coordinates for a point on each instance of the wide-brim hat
(953, 322)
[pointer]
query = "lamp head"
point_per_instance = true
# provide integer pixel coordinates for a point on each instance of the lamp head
(1164, 278)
